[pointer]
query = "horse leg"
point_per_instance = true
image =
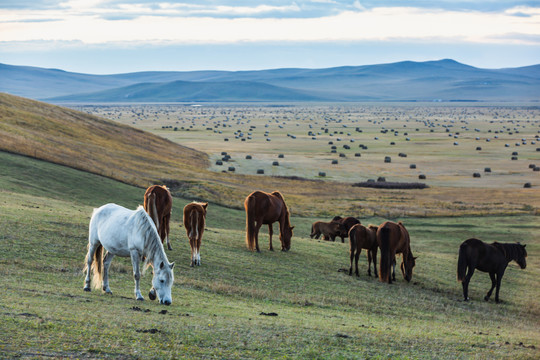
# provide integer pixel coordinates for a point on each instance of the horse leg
(193, 252)
(135, 259)
(89, 258)
(499, 279)
(270, 233)
(106, 264)
(256, 235)
(165, 229)
(394, 268)
(493, 283)
(374, 258)
(465, 282)
(356, 257)
(199, 252)
(369, 262)
(351, 258)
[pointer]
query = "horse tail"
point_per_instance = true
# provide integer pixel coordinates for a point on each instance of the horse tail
(250, 222)
(386, 261)
(462, 262)
(194, 219)
(97, 266)
(153, 210)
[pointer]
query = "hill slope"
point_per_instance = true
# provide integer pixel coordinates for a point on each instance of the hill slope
(406, 80)
(86, 142)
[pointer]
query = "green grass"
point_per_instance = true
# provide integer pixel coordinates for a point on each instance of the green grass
(322, 312)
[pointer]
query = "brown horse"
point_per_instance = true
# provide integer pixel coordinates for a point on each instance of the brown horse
(158, 204)
(491, 258)
(347, 223)
(393, 239)
(361, 237)
(264, 208)
(194, 220)
(329, 230)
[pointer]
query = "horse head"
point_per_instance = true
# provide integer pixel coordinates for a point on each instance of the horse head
(407, 267)
(162, 283)
(285, 237)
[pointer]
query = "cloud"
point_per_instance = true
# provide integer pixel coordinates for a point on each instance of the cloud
(140, 23)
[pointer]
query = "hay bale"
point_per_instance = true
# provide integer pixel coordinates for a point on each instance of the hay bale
(514, 158)
(536, 169)
(412, 166)
(387, 159)
(476, 175)
(322, 174)
(275, 163)
(357, 154)
(342, 155)
(478, 148)
(487, 170)
(281, 156)
(532, 166)
(334, 162)
(231, 168)
(260, 171)
(248, 157)
(515, 153)
(219, 162)
(223, 153)
(422, 177)
(381, 179)
(527, 185)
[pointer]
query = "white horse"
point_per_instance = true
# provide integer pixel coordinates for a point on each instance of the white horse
(127, 233)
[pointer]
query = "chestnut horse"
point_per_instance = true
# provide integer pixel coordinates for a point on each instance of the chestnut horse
(362, 237)
(347, 223)
(393, 239)
(491, 258)
(264, 208)
(158, 204)
(194, 220)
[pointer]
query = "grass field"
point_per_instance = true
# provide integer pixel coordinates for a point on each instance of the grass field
(217, 309)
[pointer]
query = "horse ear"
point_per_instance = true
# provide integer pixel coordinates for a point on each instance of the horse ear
(161, 265)
(204, 205)
(292, 227)
(524, 245)
(171, 264)
(415, 257)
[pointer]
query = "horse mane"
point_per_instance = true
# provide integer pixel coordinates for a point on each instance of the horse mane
(510, 251)
(152, 241)
(280, 196)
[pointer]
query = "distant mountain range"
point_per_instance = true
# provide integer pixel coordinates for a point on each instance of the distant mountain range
(442, 80)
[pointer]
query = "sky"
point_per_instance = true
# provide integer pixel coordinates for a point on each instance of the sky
(119, 36)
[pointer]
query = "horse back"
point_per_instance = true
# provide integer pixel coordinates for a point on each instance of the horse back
(163, 199)
(108, 225)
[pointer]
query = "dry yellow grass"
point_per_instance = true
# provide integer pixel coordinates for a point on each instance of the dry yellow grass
(105, 147)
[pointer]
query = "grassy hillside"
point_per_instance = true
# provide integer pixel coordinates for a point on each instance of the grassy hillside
(139, 158)
(217, 308)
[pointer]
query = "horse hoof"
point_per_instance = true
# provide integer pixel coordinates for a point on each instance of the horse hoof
(140, 299)
(169, 247)
(152, 295)
(87, 289)
(486, 298)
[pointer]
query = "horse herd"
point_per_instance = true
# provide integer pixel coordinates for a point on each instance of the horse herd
(140, 234)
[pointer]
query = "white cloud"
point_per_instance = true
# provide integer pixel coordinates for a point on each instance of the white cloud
(377, 24)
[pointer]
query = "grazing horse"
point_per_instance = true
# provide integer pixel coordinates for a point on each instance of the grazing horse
(362, 237)
(264, 208)
(127, 233)
(329, 230)
(347, 223)
(194, 220)
(158, 204)
(393, 239)
(491, 258)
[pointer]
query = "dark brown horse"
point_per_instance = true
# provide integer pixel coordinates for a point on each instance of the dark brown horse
(264, 208)
(347, 223)
(194, 221)
(491, 258)
(361, 237)
(329, 230)
(158, 204)
(393, 239)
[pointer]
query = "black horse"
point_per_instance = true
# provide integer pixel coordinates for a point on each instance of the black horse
(491, 258)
